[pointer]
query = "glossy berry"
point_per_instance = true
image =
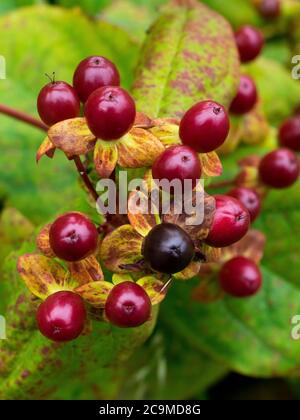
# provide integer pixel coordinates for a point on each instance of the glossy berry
(245, 98)
(92, 73)
(249, 198)
(280, 168)
(240, 277)
(168, 249)
(128, 305)
(289, 133)
(205, 126)
(177, 162)
(57, 101)
(61, 316)
(269, 9)
(249, 41)
(73, 237)
(110, 112)
(231, 222)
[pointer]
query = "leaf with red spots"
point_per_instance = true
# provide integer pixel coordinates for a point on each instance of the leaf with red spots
(189, 55)
(211, 164)
(42, 275)
(95, 293)
(155, 288)
(121, 249)
(86, 271)
(105, 158)
(43, 242)
(138, 148)
(72, 136)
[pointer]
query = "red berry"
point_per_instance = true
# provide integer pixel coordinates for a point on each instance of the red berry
(177, 162)
(245, 98)
(73, 237)
(231, 222)
(61, 316)
(57, 101)
(269, 9)
(110, 112)
(205, 126)
(289, 133)
(92, 73)
(280, 168)
(249, 198)
(168, 249)
(128, 305)
(240, 277)
(250, 42)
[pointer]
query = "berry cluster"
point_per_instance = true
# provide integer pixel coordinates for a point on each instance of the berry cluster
(146, 253)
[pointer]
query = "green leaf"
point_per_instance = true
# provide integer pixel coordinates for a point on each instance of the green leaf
(46, 43)
(280, 221)
(169, 367)
(32, 367)
(189, 55)
(251, 336)
(279, 92)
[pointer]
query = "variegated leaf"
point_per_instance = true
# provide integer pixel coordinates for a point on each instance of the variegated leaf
(208, 290)
(167, 131)
(189, 272)
(86, 270)
(43, 242)
(72, 136)
(143, 121)
(95, 293)
(118, 278)
(105, 158)
(121, 248)
(42, 275)
(251, 246)
(155, 288)
(46, 148)
(211, 164)
(138, 148)
(142, 220)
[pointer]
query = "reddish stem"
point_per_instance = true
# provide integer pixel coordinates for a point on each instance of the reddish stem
(22, 116)
(85, 178)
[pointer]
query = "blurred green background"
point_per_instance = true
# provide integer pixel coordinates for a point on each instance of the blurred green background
(224, 350)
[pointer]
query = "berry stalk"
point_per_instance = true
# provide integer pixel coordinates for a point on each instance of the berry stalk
(22, 116)
(85, 178)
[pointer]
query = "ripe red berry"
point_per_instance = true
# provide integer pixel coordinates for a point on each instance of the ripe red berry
(280, 168)
(92, 73)
(128, 305)
(269, 9)
(250, 42)
(249, 198)
(177, 162)
(168, 249)
(61, 316)
(57, 101)
(73, 237)
(240, 277)
(245, 98)
(110, 112)
(289, 133)
(205, 126)
(231, 222)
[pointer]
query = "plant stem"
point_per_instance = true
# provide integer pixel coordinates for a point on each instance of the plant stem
(85, 178)
(22, 116)
(28, 119)
(221, 184)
